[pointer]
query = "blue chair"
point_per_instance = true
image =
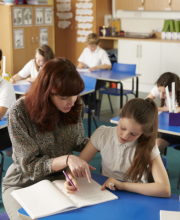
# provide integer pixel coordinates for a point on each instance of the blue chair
(118, 68)
(176, 147)
(90, 84)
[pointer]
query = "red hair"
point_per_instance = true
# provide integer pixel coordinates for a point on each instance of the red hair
(60, 76)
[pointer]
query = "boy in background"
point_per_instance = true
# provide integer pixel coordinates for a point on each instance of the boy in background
(94, 58)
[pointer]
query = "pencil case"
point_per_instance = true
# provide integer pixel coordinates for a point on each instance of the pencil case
(174, 119)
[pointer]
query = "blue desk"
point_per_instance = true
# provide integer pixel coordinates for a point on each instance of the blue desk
(163, 124)
(3, 122)
(129, 206)
(110, 76)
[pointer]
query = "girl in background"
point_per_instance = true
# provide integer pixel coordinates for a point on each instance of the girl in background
(32, 68)
(129, 152)
(159, 90)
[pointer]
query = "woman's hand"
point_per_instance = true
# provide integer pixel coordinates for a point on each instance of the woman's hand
(79, 167)
(163, 109)
(112, 184)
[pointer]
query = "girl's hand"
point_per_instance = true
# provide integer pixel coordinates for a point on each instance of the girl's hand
(67, 185)
(29, 79)
(79, 167)
(12, 80)
(163, 109)
(111, 183)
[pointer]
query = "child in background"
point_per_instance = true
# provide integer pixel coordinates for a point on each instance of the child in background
(7, 99)
(93, 56)
(129, 152)
(32, 68)
(164, 80)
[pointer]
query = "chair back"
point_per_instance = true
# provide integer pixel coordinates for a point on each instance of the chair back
(89, 82)
(124, 68)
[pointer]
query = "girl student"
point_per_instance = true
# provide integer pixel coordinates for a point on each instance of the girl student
(43, 54)
(158, 90)
(45, 126)
(129, 152)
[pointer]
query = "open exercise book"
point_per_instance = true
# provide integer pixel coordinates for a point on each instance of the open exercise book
(169, 215)
(47, 198)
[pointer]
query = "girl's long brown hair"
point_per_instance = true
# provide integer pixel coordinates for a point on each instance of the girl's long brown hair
(46, 52)
(166, 79)
(145, 113)
(60, 77)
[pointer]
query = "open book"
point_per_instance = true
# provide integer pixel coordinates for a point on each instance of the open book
(47, 198)
(167, 215)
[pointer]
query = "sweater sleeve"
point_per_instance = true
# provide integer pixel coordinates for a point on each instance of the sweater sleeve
(26, 152)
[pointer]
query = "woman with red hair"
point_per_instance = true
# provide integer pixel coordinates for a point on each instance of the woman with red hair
(45, 127)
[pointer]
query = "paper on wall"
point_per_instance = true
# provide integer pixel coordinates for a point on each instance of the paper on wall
(84, 18)
(168, 99)
(83, 32)
(84, 5)
(84, 11)
(81, 39)
(66, 15)
(63, 24)
(64, 7)
(63, 1)
(84, 0)
(85, 25)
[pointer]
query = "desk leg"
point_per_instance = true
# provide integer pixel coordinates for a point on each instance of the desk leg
(137, 87)
(121, 95)
(89, 115)
(1, 166)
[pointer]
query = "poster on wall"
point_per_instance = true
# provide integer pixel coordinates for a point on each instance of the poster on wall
(18, 38)
(48, 16)
(17, 16)
(39, 18)
(27, 15)
(43, 36)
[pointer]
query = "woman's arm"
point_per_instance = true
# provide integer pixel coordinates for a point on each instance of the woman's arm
(160, 187)
(16, 78)
(103, 67)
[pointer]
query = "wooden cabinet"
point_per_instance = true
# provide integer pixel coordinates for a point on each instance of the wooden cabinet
(135, 5)
(146, 56)
(67, 40)
(19, 41)
(168, 5)
(148, 5)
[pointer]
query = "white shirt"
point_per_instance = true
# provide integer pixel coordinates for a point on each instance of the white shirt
(96, 58)
(116, 158)
(155, 93)
(7, 94)
(29, 69)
